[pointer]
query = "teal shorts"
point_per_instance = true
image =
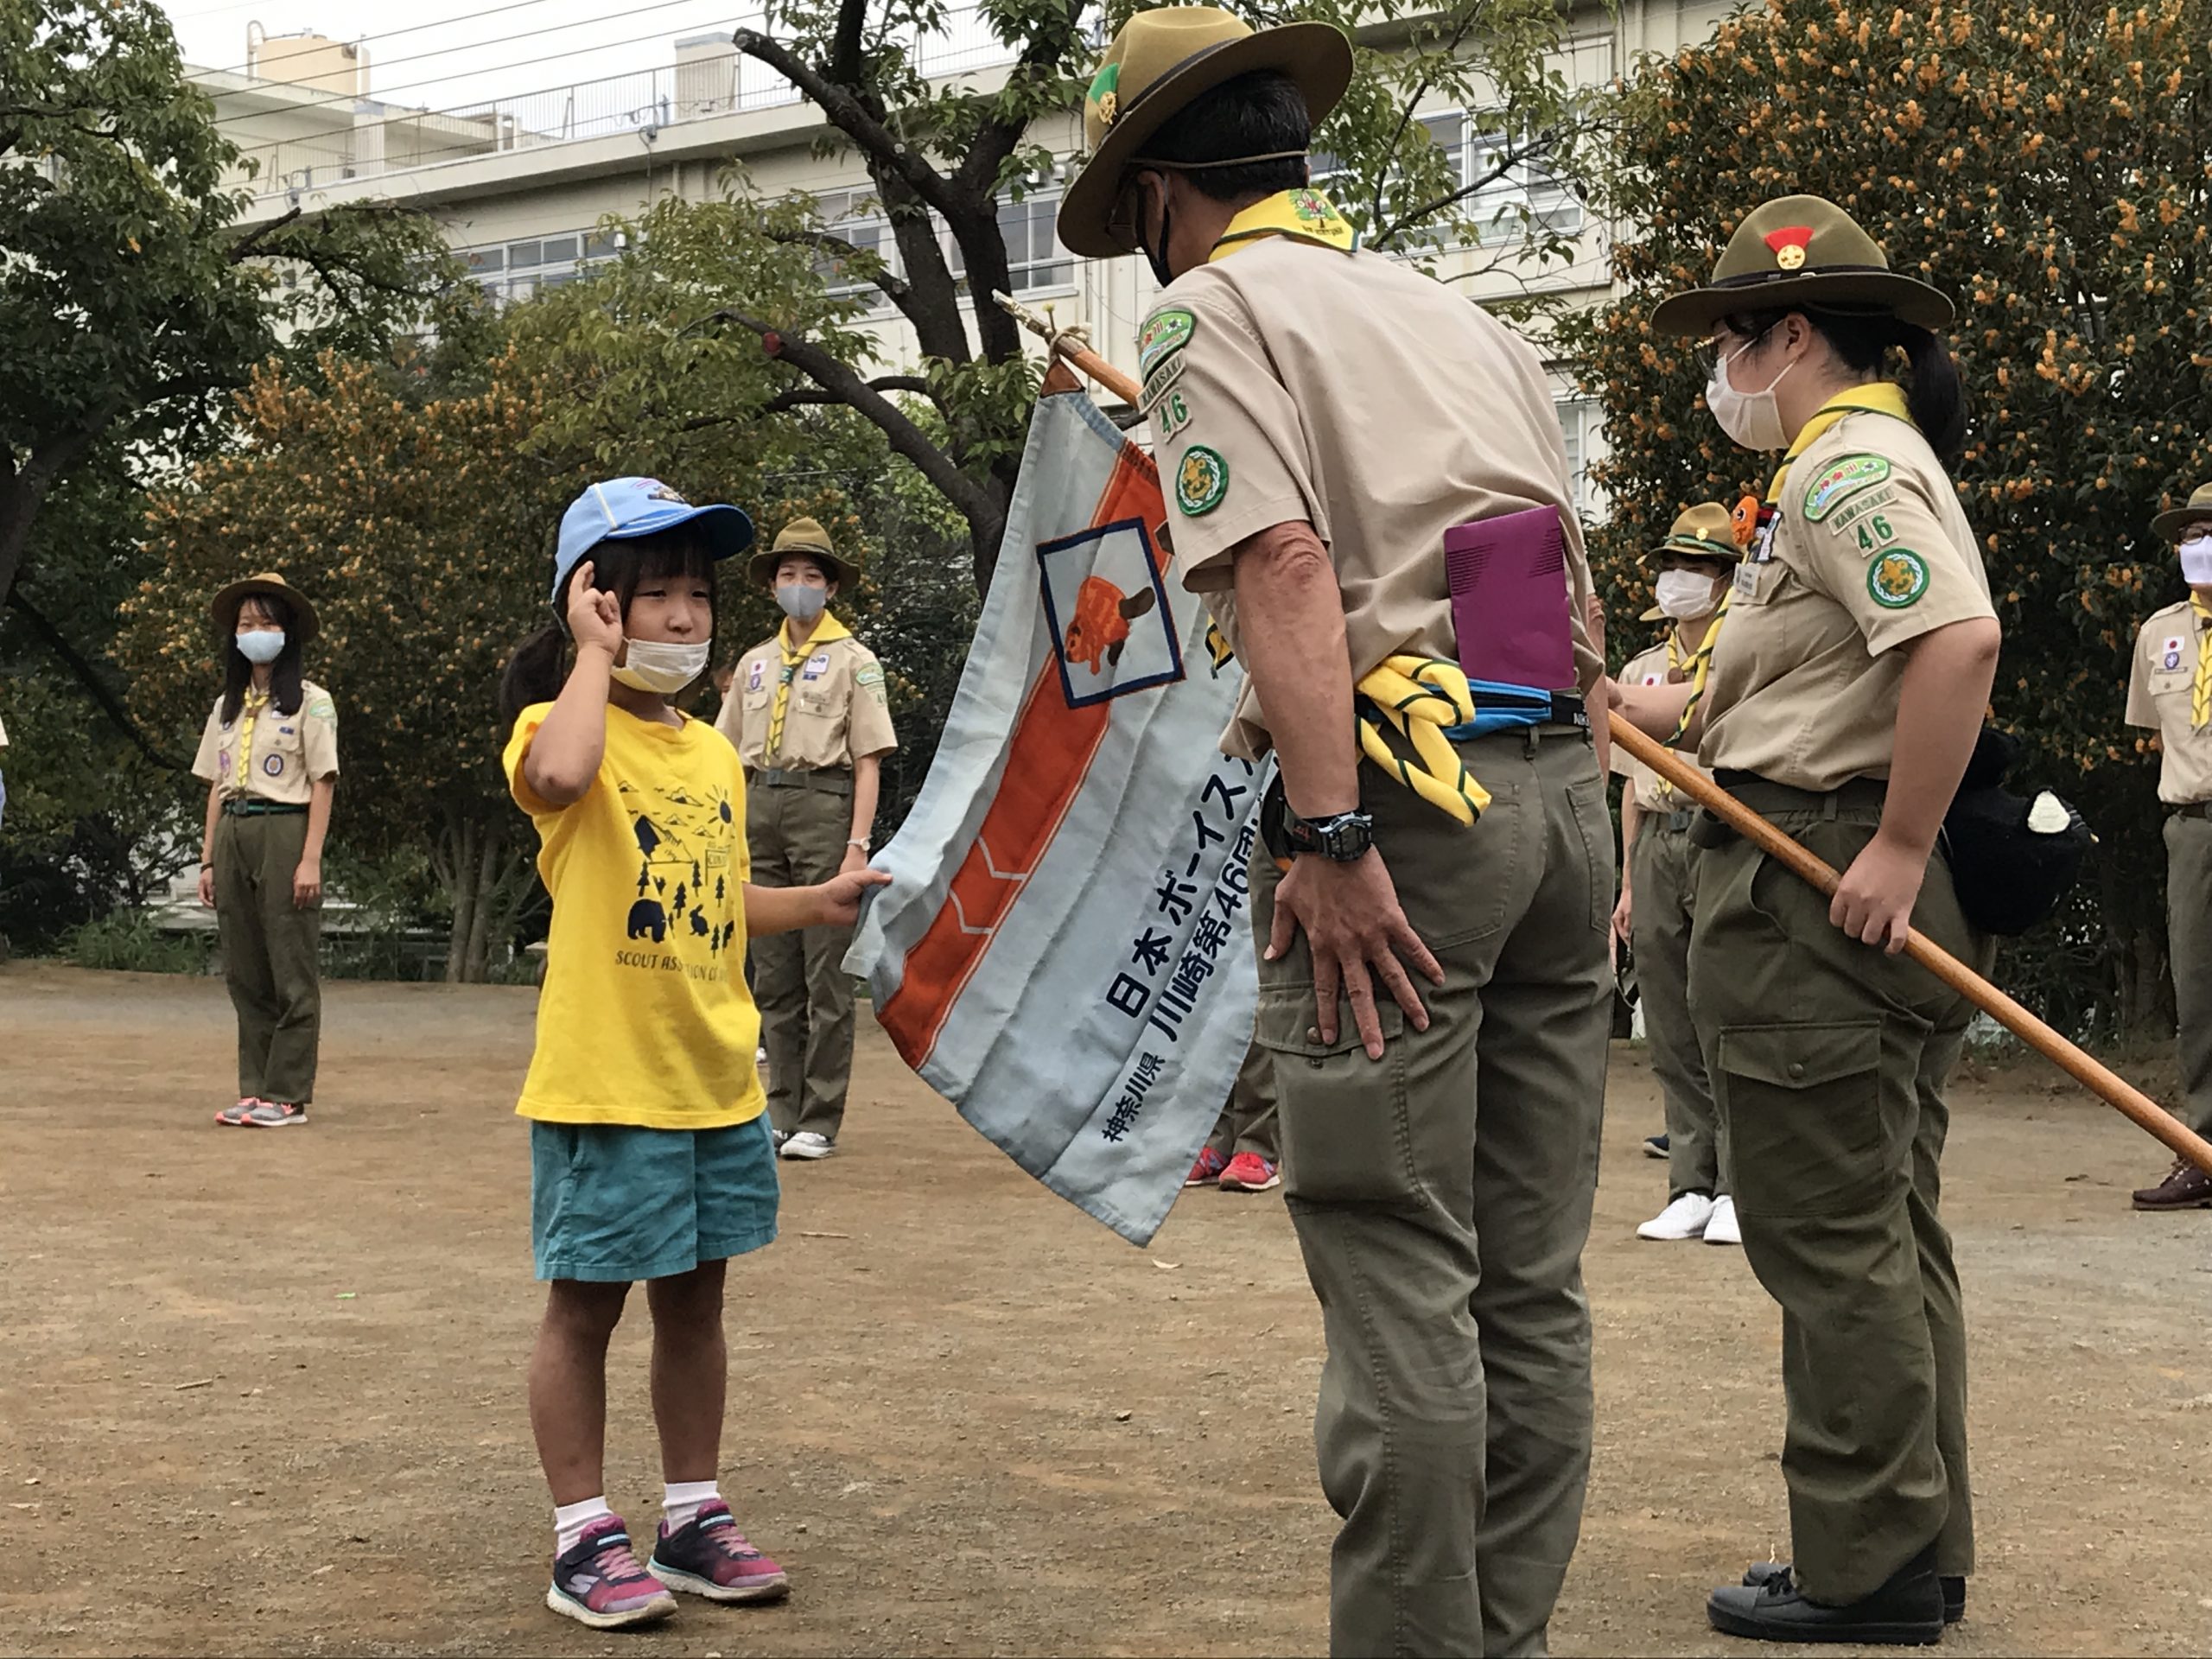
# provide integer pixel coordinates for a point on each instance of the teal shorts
(610, 1203)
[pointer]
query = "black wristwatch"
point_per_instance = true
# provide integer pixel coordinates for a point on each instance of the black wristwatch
(1340, 839)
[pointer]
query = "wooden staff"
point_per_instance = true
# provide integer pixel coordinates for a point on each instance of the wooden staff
(2084, 1069)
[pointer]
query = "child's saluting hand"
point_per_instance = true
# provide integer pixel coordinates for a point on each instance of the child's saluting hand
(594, 615)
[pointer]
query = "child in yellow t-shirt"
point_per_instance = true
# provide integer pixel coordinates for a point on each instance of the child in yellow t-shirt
(650, 1157)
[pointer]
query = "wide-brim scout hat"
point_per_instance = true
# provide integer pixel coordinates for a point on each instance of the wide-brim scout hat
(623, 509)
(1704, 531)
(267, 585)
(1803, 250)
(2170, 523)
(1159, 61)
(800, 536)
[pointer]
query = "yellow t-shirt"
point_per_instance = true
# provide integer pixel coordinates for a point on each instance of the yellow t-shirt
(644, 1019)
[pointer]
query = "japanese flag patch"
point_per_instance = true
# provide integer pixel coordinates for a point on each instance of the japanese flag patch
(2170, 653)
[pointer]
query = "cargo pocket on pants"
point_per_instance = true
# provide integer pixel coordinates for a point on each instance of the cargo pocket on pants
(1345, 1139)
(1802, 1107)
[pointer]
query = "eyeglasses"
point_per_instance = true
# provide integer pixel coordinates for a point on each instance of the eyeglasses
(1707, 353)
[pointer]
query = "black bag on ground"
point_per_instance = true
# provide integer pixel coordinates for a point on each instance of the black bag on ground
(2013, 860)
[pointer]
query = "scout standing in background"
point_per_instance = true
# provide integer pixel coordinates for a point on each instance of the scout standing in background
(2170, 690)
(808, 714)
(1321, 418)
(270, 755)
(1845, 696)
(1690, 572)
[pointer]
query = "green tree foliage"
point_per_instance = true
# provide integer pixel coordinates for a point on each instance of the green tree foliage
(2040, 164)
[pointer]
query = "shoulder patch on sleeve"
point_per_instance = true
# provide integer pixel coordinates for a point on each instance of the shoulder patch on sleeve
(1201, 480)
(1164, 332)
(869, 674)
(322, 707)
(1898, 578)
(1839, 481)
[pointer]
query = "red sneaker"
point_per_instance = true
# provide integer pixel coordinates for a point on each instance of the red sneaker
(1249, 1172)
(1207, 1170)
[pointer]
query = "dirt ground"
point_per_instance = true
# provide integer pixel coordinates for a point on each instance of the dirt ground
(264, 1394)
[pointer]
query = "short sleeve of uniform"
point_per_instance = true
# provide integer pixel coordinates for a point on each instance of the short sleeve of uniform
(1228, 436)
(319, 734)
(1871, 537)
(205, 765)
(519, 742)
(868, 729)
(2142, 707)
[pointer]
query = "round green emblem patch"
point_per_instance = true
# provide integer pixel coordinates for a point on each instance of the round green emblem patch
(1201, 480)
(1897, 578)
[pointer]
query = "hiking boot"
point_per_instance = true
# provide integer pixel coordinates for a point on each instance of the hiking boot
(2186, 1187)
(1249, 1172)
(1207, 1170)
(599, 1583)
(708, 1556)
(1905, 1612)
(1953, 1585)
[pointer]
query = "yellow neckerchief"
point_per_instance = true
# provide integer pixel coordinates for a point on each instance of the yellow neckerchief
(2200, 696)
(1420, 698)
(827, 630)
(1883, 398)
(1303, 214)
(250, 707)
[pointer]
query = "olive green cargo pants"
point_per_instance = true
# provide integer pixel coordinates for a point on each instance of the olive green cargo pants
(1663, 867)
(796, 839)
(1829, 1060)
(1248, 1122)
(2189, 946)
(1442, 1197)
(270, 954)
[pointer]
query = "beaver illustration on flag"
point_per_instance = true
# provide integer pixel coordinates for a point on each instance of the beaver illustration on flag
(1101, 628)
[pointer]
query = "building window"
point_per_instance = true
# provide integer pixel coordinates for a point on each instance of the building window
(1526, 199)
(1581, 427)
(508, 271)
(853, 217)
(1034, 256)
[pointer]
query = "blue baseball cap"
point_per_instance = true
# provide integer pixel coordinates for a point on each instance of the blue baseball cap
(623, 508)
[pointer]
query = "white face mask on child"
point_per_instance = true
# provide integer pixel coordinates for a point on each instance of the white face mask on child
(261, 644)
(662, 666)
(1685, 593)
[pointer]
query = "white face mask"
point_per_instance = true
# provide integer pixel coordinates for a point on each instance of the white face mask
(660, 665)
(802, 601)
(1685, 593)
(1752, 418)
(2197, 563)
(261, 644)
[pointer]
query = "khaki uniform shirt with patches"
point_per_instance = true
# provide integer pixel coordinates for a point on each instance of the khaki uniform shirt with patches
(271, 756)
(1349, 392)
(1653, 792)
(1869, 550)
(2160, 685)
(837, 713)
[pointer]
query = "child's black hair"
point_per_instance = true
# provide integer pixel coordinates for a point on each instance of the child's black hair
(538, 667)
(284, 674)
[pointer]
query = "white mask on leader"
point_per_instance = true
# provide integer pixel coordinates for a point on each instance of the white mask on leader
(660, 665)
(1685, 593)
(2195, 563)
(1751, 418)
(261, 644)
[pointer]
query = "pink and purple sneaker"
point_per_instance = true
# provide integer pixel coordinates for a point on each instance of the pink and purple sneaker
(599, 1582)
(708, 1556)
(1207, 1170)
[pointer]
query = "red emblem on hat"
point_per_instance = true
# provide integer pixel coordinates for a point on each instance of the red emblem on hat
(1789, 244)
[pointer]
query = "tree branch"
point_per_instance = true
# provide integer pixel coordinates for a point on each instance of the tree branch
(845, 45)
(244, 247)
(1508, 160)
(1406, 114)
(994, 140)
(894, 287)
(850, 117)
(88, 677)
(792, 398)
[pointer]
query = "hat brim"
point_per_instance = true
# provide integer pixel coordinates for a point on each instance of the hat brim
(1886, 293)
(1731, 555)
(761, 571)
(2168, 524)
(728, 530)
(305, 624)
(1316, 56)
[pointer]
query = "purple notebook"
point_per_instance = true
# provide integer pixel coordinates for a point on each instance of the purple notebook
(1509, 598)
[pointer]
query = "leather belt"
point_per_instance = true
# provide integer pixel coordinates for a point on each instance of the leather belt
(2195, 809)
(1763, 796)
(253, 806)
(826, 780)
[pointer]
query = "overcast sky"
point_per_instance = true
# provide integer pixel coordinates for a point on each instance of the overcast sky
(444, 53)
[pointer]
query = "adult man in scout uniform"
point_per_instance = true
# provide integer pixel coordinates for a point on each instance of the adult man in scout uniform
(2169, 690)
(1321, 417)
(1690, 571)
(807, 712)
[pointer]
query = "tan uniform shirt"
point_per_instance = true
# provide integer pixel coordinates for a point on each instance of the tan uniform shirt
(1871, 552)
(1653, 792)
(2160, 685)
(275, 756)
(837, 711)
(1355, 395)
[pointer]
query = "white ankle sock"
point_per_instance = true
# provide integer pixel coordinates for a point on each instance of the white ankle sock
(680, 1504)
(570, 1521)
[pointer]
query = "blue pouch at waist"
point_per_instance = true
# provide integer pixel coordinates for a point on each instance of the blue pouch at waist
(1502, 708)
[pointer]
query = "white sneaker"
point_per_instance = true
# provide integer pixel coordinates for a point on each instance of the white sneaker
(807, 1144)
(1686, 1218)
(1722, 1228)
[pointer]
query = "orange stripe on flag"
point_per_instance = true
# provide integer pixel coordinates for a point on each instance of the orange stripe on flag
(1045, 765)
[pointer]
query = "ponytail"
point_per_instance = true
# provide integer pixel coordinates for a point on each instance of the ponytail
(534, 673)
(1936, 398)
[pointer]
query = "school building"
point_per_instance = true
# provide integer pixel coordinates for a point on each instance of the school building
(521, 184)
